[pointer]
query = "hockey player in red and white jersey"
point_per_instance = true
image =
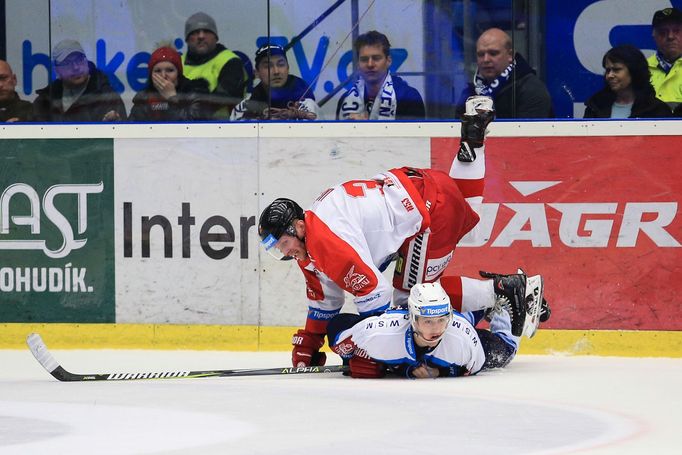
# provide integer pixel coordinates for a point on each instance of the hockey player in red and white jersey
(428, 339)
(416, 217)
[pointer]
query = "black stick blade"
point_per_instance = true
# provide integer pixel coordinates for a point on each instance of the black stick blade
(45, 358)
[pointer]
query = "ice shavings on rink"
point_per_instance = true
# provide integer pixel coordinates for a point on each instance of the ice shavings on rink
(539, 405)
(43, 427)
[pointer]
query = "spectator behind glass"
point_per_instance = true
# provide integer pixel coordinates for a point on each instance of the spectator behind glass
(666, 64)
(81, 92)
(377, 94)
(508, 79)
(279, 95)
(169, 95)
(628, 92)
(210, 60)
(12, 109)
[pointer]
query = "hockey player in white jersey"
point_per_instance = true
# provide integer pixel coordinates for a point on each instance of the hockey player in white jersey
(428, 339)
(416, 217)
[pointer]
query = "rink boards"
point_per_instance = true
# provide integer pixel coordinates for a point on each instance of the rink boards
(147, 225)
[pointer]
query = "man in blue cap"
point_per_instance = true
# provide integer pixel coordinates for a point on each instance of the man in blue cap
(279, 95)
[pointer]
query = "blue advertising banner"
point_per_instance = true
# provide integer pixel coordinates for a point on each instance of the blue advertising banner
(578, 35)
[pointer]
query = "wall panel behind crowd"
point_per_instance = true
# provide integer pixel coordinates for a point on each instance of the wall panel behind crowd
(158, 224)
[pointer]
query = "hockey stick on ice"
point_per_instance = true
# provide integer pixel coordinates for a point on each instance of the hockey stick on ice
(47, 360)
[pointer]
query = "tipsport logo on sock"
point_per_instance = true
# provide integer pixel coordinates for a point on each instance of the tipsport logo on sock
(56, 231)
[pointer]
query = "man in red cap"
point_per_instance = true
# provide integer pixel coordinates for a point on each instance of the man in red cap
(169, 95)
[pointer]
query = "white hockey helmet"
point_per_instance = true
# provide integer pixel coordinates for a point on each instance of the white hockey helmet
(428, 300)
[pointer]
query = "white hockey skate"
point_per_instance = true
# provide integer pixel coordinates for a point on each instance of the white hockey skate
(534, 302)
(479, 105)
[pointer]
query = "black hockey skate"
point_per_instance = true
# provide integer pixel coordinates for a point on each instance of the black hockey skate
(476, 118)
(545, 311)
(511, 295)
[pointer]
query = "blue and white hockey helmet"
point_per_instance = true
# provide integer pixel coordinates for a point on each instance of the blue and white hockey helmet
(428, 300)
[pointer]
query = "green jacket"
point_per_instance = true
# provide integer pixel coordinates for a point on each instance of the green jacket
(668, 86)
(225, 74)
(209, 70)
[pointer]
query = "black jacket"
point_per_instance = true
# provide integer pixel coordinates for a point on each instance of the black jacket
(98, 98)
(293, 90)
(16, 108)
(524, 96)
(409, 103)
(188, 104)
(646, 105)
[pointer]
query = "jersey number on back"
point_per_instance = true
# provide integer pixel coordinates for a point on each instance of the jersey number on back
(358, 188)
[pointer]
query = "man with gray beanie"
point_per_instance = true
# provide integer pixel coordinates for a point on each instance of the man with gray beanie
(208, 59)
(81, 92)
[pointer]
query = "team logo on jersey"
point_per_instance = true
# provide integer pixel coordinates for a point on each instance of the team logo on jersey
(355, 281)
(407, 204)
(313, 294)
(345, 349)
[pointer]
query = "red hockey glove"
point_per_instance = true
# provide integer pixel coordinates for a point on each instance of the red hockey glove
(306, 350)
(363, 367)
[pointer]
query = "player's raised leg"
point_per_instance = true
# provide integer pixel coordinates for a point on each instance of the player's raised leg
(468, 168)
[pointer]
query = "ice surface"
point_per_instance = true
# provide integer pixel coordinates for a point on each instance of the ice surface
(539, 405)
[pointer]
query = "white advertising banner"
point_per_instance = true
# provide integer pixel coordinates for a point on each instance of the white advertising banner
(186, 214)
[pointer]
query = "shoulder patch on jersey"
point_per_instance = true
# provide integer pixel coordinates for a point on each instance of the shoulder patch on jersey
(355, 281)
(345, 349)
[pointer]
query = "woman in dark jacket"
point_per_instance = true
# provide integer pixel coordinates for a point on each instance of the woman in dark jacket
(627, 91)
(170, 96)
